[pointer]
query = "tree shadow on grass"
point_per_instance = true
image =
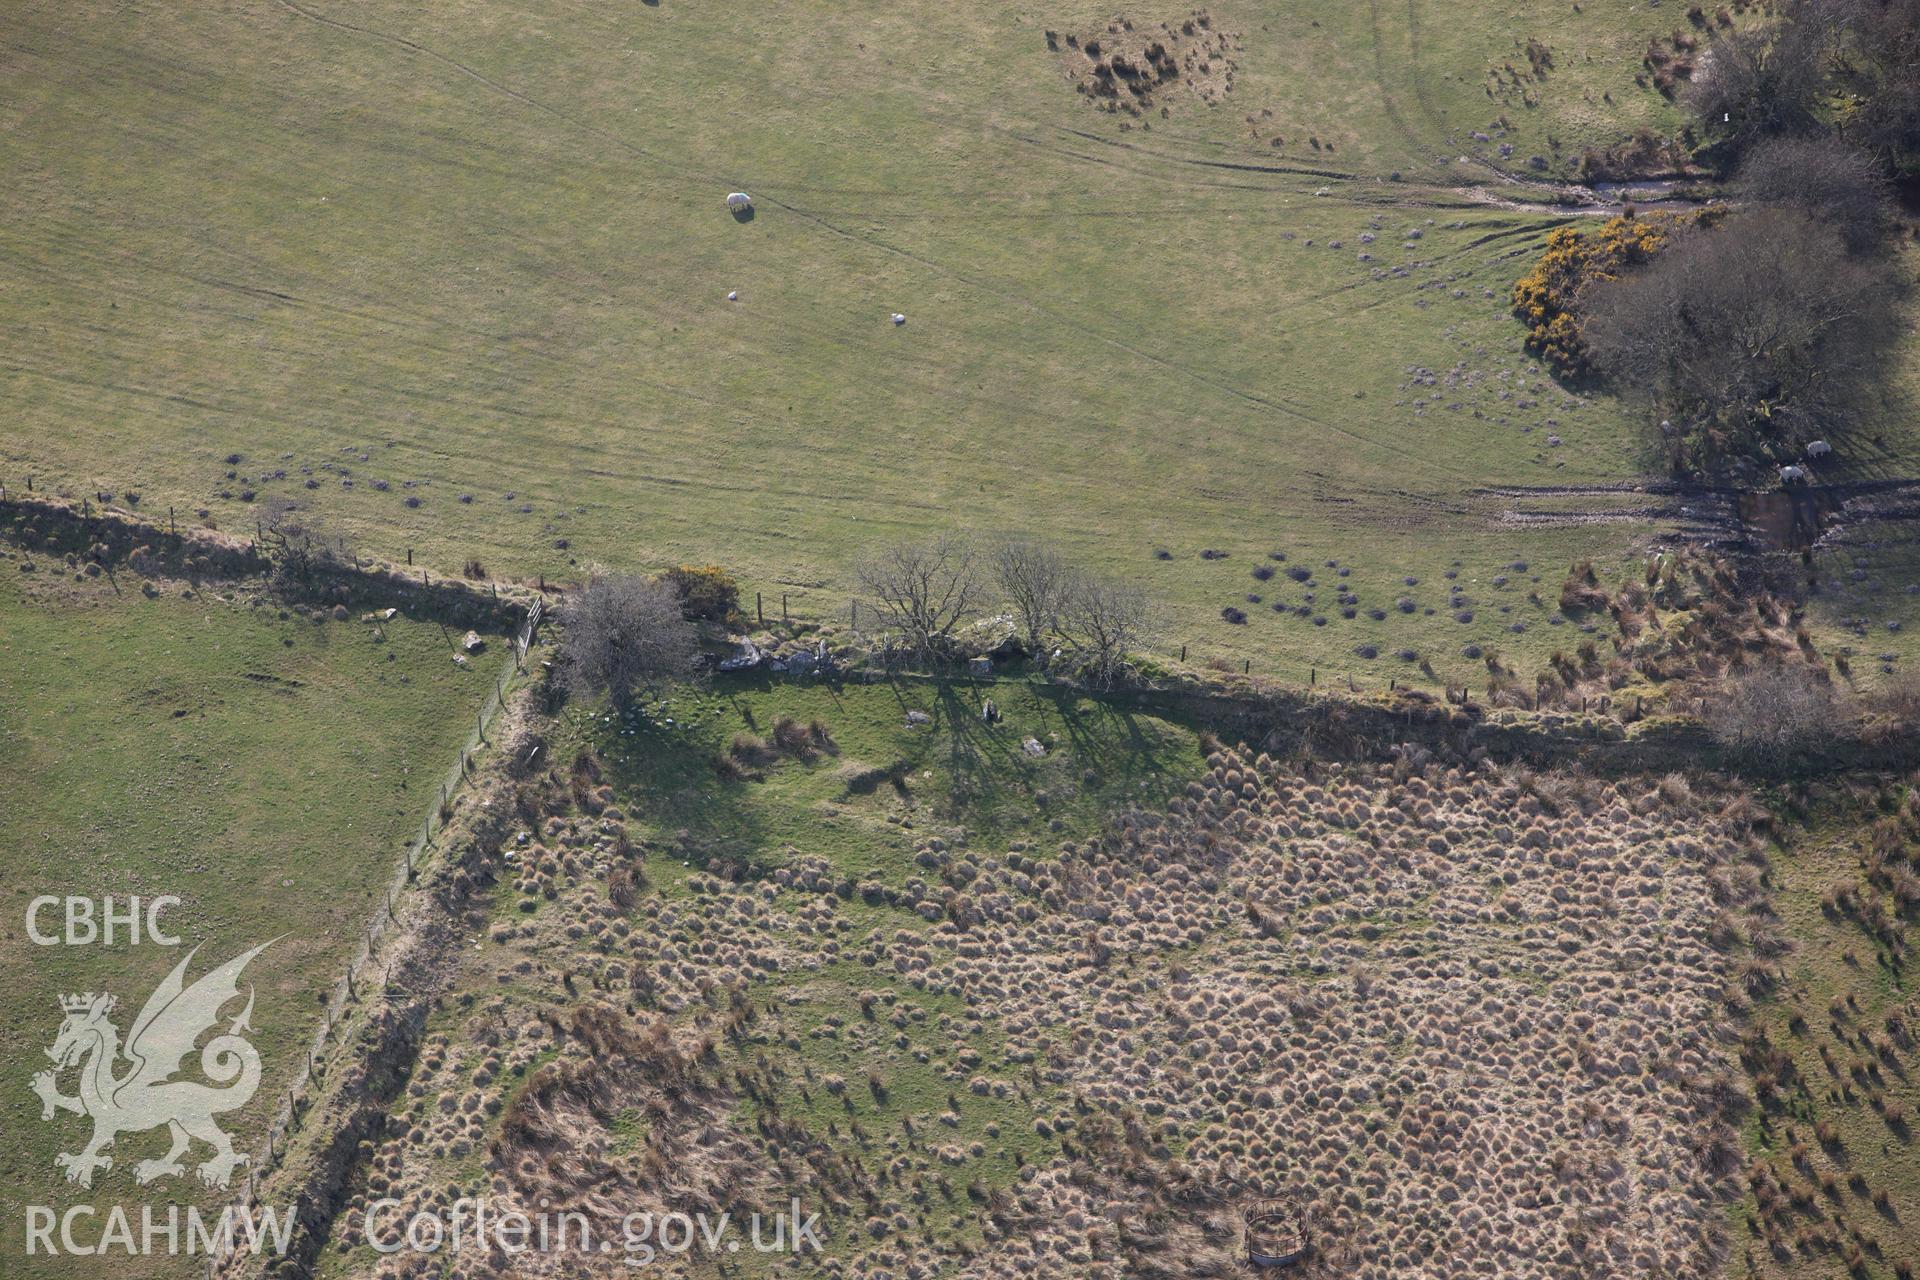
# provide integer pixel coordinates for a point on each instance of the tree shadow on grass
(997, 785)
(980, 755)
(987, 780)
(1110, 737)
(665, 775)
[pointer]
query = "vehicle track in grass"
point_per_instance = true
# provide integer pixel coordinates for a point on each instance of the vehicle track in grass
(1215, 382)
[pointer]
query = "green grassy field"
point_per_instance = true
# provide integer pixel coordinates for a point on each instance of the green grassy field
(266, 770)
(477, 259)
(953, 770)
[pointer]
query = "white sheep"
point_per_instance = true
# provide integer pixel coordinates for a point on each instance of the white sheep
(739, 201)
(1818, 448)
(1792, 475)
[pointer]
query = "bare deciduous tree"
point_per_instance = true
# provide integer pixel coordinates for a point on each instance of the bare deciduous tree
(1878, 68)
(1765, 80)
(624, 634)
(1824, 179)
(1773, 711)
(1038, 584)
(1754, 337)
(923, 590)
(304, 551)
(1109, 619)
(1848, 61)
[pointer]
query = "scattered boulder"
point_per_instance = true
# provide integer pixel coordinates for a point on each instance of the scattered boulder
(745, 656)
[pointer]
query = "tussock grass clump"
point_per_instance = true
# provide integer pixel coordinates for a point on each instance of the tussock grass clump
(788, 738)
(1418, 886)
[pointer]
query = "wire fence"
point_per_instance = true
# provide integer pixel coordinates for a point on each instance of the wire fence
(385, 916)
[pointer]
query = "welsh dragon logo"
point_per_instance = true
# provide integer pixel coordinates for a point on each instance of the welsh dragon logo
(143, 1095)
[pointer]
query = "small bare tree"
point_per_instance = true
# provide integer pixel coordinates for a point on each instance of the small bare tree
(305, 554)
(624, 634)
(1763, 81)
(1875, 68)
(1108, 619)
(1038, 585)
(1773, 711)
(1823, 178)
(923, 590)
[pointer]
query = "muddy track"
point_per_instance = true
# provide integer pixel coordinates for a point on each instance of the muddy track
(1690, 526)
(1303, 171)
(1547, 198)
(367, 1073)
(1841, 490)
(1729, 518)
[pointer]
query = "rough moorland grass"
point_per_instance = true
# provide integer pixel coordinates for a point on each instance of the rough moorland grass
(959, 779)
(266, 771)
(1846, 1108)
(481, 252)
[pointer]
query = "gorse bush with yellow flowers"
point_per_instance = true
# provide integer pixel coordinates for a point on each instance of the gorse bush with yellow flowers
(1546, 297)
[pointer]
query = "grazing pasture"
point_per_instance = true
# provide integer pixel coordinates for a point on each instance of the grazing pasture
(457, 278)
(264, 768)
(1212, 301)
